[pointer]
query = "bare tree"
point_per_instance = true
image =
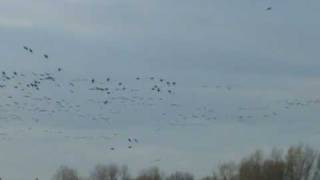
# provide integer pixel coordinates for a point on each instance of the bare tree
(150, 174)
(208, 178)
(251, 167)
(180, 176)
(227, 171)
(66, 173)
(316, 175)
(300, 161)
(273, 170)
(273, 167)
(125, 173)
(105, 172)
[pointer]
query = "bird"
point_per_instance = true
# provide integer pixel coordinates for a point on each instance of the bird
(269, 8)
(46, 56)
(30, 50)
(25, 48)
(129, 139)
(92, 81)
(112, 149)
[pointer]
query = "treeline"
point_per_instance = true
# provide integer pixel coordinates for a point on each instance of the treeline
(297, 163)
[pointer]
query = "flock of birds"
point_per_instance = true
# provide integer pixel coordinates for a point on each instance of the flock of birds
(30, 50)
(102, 101)
(28, 92)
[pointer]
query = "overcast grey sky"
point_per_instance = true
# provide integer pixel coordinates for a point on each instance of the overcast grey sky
(265, 57)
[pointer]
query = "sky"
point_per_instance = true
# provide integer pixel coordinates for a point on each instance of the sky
(231, 59)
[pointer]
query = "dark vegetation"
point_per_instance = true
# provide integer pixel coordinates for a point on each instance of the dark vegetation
(297, 163)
